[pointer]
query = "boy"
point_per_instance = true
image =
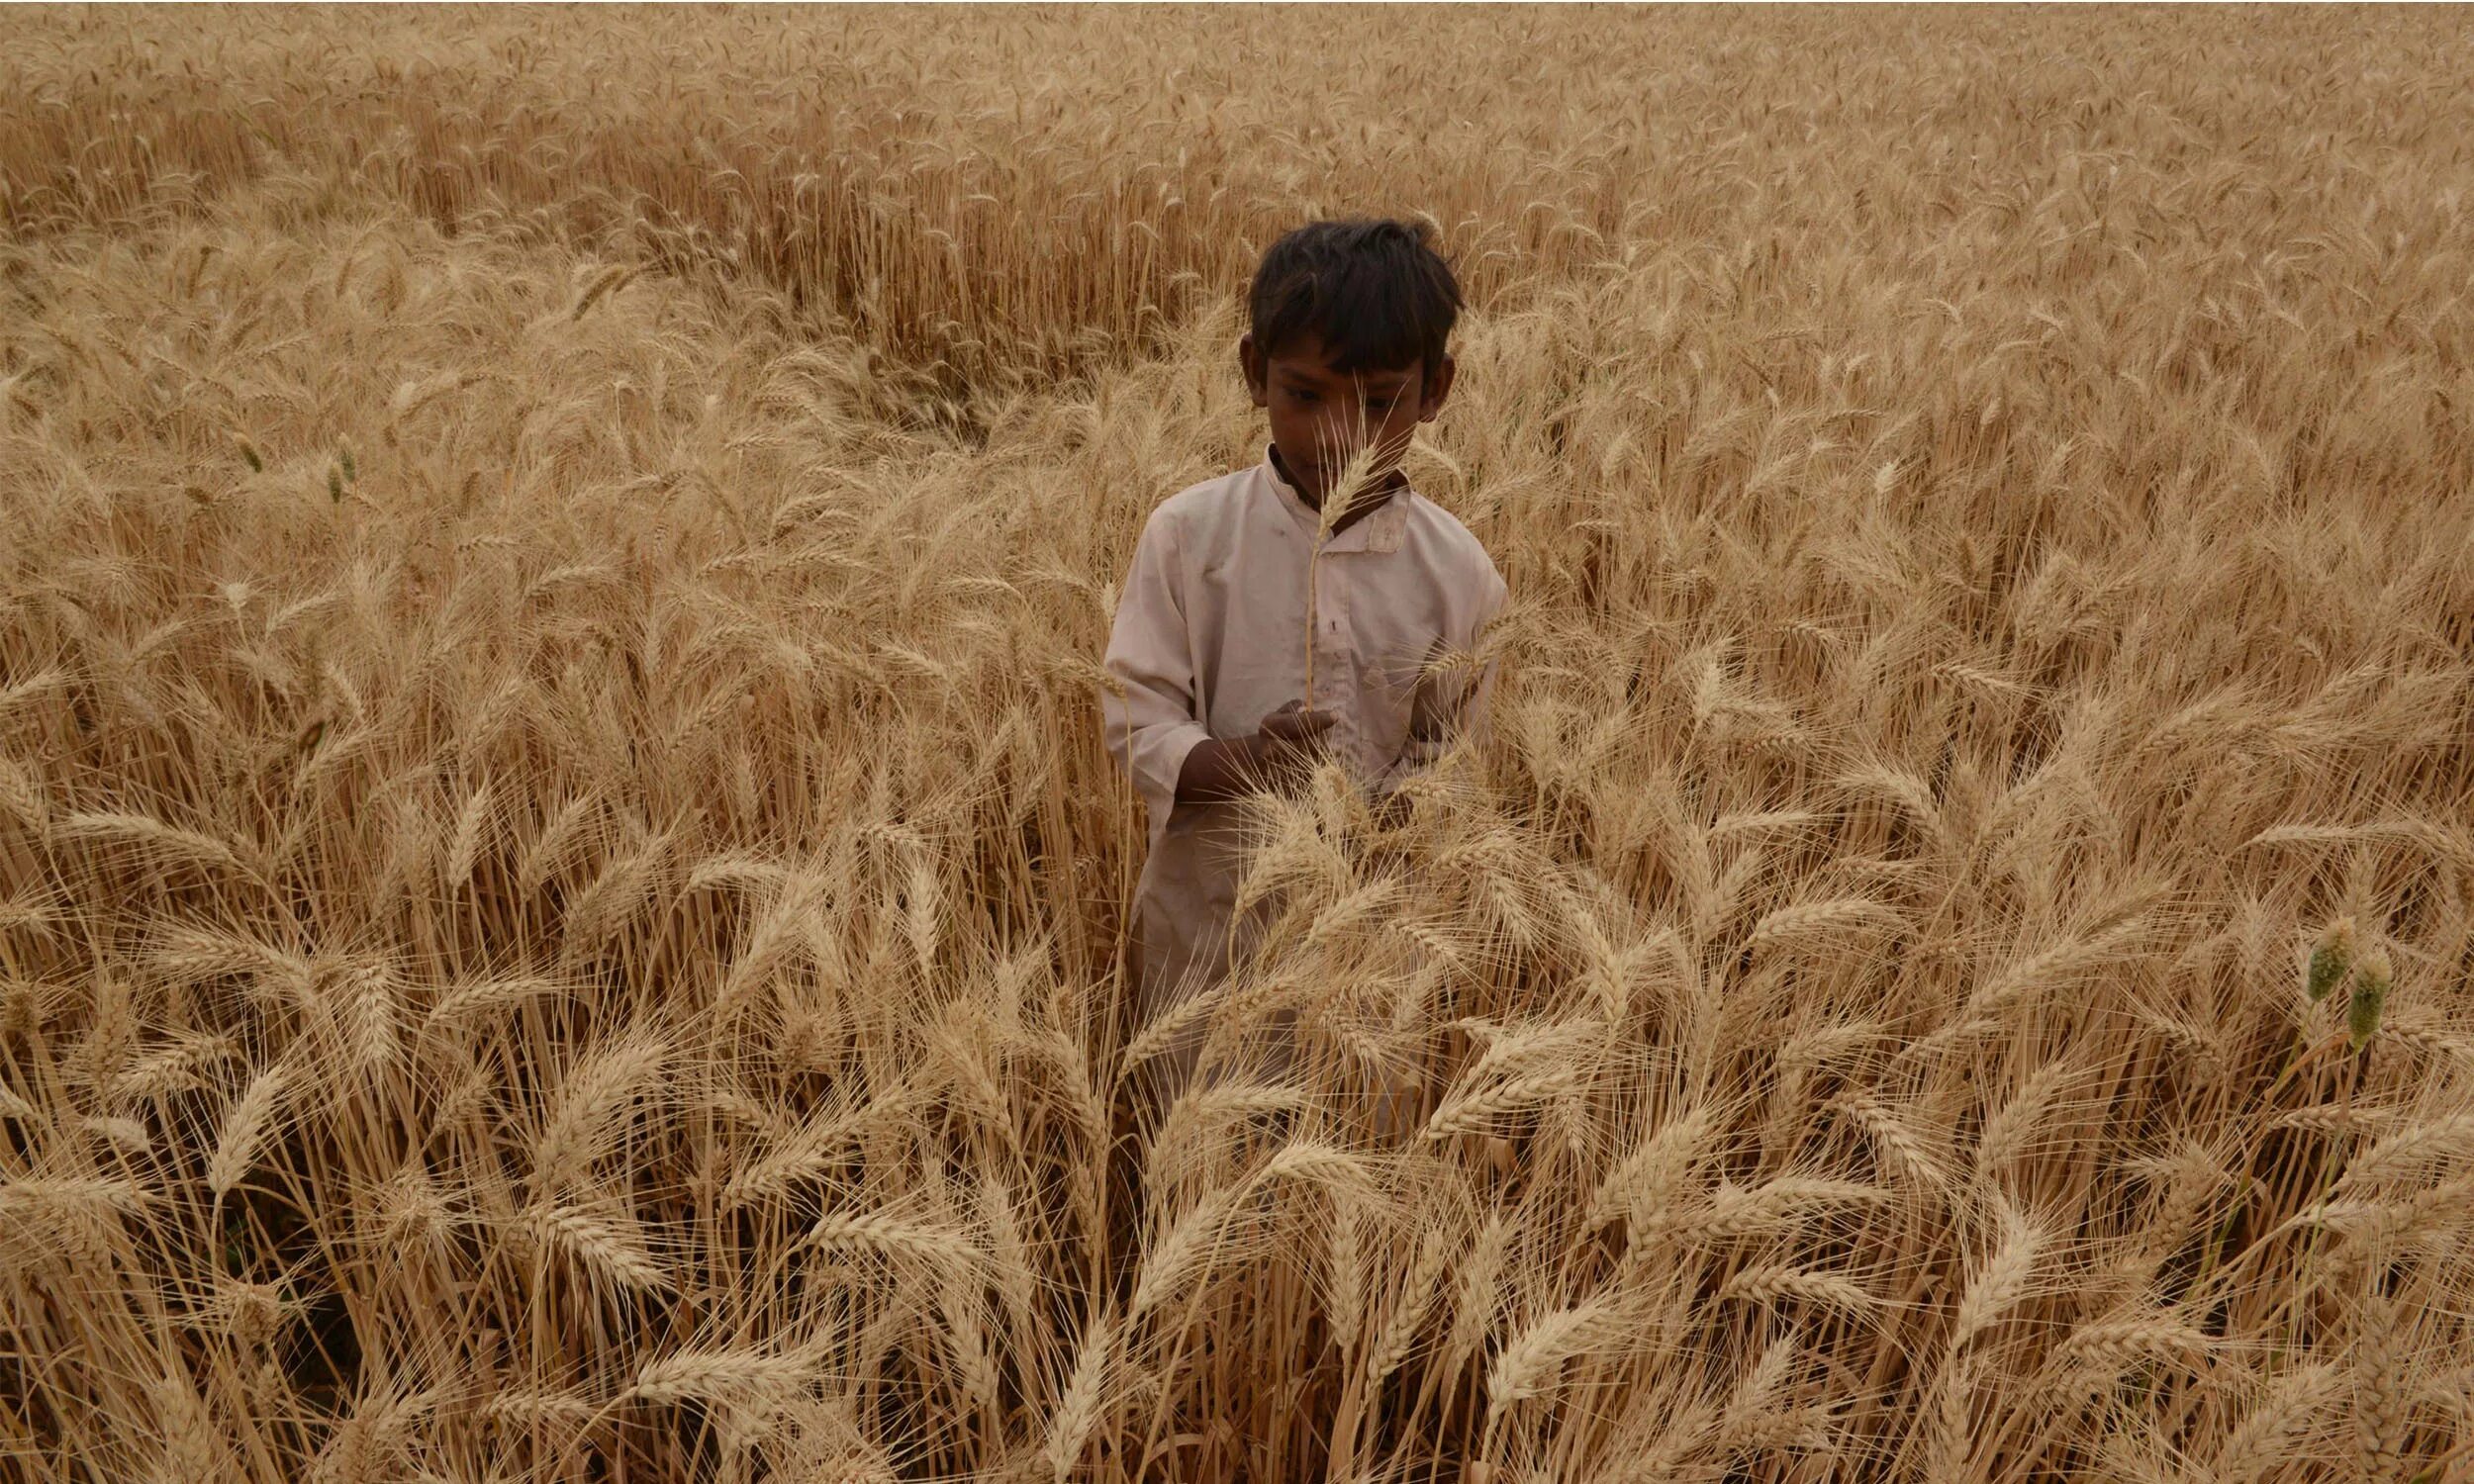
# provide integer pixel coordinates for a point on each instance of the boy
(1347, 346)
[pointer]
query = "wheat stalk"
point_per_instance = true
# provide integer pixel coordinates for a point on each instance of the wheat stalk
(601, 1241)
(1079, 1407)
(1530, 1360)
(1773, 1284)
(719, 1374)
(582, 1121)
(896, 1237)
(245, 1126)
(1338, 496)
(2001, 1283)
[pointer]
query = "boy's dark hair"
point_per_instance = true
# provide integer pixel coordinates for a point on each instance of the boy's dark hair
(1375, 292)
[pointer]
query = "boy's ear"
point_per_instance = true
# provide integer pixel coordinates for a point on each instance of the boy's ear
(1250, 364)
(1436, 387)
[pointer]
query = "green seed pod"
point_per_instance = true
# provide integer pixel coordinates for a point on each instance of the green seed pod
(2370, 997)
(2330, 959)
(249, 456)
(335, 484)
(351, 475)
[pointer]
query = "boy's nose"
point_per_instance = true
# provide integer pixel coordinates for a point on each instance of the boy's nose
(1348, 431)
(1344, 440)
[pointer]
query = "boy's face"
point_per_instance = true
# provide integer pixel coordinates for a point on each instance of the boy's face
(1319, 415)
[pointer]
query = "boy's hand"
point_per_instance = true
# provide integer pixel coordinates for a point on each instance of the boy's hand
(1283, 748)
(1291, 738)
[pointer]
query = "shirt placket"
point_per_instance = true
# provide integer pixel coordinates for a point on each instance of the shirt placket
(1335, 659)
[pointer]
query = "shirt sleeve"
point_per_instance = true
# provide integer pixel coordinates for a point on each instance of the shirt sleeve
(1466, 712)
(1149, 711)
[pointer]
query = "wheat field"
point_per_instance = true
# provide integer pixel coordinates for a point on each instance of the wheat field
(562, 908)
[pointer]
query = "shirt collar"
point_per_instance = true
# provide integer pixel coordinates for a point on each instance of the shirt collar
(1379, 531)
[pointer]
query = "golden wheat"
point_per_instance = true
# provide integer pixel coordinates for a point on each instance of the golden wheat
(562, 904)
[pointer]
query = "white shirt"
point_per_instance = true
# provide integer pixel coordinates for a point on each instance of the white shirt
(1210, 636)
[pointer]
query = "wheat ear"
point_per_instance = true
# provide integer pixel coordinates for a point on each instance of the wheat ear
(1338, 497)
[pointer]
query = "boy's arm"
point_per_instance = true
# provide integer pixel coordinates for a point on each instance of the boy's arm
(1148, 714)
